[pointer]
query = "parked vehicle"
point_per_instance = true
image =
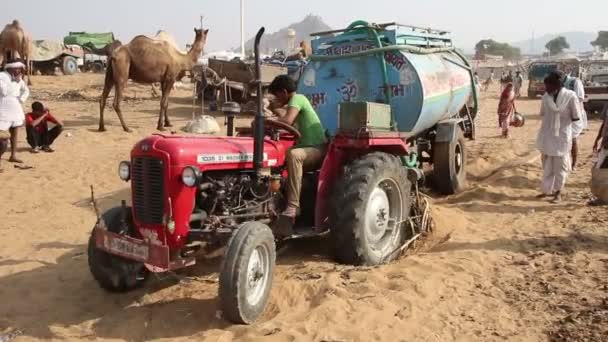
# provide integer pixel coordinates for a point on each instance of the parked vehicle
(392, 98)
(49, 55)
(95, 58)
(596, 85)
(538, 70)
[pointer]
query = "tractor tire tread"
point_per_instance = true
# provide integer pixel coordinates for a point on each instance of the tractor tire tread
(233, 266)
(349, 200)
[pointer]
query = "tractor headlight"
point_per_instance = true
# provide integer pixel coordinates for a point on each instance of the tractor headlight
(124, 170)
(190, 176)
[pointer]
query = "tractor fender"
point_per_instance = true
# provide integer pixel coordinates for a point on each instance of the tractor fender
(328, 175)
(447, 130)
(340, 151)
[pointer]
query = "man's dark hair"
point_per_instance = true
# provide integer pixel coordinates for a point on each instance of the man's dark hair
(37, 107)
(282, 82)
(555, 78)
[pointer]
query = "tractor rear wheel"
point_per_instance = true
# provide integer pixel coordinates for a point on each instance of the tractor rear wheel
(372, 202)
(112, 272)
(449, 165)
(246, 273)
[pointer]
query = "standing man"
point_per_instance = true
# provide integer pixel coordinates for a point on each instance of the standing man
(39, 136)
(518, 82)
(13, 93)
(576, 85)
(308, 152)
(559, 110)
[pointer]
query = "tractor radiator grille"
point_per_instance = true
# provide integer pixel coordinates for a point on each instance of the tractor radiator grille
(148, 186)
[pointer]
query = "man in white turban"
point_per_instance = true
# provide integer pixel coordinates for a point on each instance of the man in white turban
(13, 93)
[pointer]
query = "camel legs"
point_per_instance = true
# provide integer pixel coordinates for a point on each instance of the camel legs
(166, 87)
(107, 87)
(118, 93)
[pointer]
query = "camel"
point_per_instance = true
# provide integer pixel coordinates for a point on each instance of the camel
(15, 43)
(146, 60)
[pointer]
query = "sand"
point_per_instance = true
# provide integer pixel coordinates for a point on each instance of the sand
(501, 266)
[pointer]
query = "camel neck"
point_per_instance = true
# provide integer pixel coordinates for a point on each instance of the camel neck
(194, 54)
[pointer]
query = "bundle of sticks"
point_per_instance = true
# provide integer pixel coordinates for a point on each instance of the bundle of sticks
(420, 222)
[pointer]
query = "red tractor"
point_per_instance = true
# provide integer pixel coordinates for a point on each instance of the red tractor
(192, 194)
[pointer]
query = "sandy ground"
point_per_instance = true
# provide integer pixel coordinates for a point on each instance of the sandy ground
(502, 265)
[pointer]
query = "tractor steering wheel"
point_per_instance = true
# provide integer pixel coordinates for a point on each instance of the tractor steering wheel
(275, 124)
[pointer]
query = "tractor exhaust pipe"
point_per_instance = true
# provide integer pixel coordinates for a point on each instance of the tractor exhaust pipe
(258, 131)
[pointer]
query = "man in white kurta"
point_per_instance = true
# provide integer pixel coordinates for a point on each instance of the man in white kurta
(576, 85)
(559, 110)
(13, 93)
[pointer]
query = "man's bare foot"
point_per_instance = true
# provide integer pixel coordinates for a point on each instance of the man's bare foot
(557, 198)
(35, 150)
(543, 196)
(15, 160)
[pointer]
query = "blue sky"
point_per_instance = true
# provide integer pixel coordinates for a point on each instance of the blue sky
(469, 20)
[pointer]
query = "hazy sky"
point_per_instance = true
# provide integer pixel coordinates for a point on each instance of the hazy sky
(469, 20)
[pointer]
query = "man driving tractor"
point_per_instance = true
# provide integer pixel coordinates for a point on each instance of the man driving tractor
(306, 154)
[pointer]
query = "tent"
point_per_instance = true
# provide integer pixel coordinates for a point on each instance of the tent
(99, 40)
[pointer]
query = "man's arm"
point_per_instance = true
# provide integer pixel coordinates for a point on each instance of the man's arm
(291, 115)
(598, 139)
(24, 91)
(39, 119)
(579, 89)
(4, 85)
(574, 107)
(53, 119)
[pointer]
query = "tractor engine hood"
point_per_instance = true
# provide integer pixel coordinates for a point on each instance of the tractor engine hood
(211, 153)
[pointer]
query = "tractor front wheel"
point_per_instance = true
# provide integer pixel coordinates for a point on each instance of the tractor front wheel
(112, 272)
(246, 273)
(372, 203)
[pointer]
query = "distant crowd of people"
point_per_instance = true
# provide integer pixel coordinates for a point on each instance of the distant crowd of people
(42, 128)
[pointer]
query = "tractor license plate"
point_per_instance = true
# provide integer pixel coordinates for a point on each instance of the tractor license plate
(137, 250)
(125, 247)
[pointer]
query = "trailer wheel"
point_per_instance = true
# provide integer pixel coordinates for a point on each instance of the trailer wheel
(246, 273)
(112, 272)
(97, 68)
(372, 201)
(69, 65)
(449, 165)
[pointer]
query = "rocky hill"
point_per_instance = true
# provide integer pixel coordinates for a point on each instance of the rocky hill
(278, 40)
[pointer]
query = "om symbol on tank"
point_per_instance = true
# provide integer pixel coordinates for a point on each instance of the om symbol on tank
(348, 90)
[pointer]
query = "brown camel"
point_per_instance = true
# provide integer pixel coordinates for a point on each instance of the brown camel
(15, 43)
(145, 60)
